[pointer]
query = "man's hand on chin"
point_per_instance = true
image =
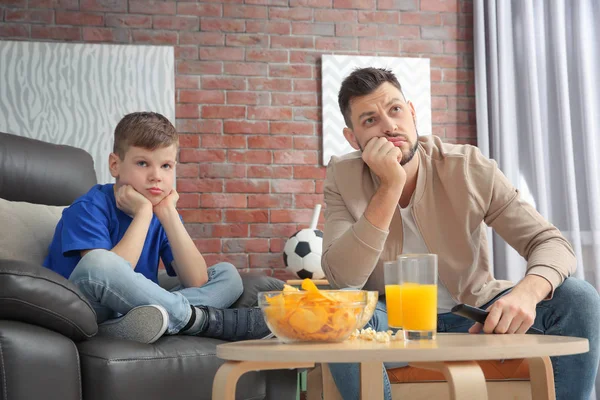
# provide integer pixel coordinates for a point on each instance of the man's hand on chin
(515, 312)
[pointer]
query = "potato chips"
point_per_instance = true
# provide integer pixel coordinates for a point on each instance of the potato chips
(313, 314)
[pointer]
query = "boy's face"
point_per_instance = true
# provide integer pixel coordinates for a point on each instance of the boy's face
(150, 172)
(383, 113)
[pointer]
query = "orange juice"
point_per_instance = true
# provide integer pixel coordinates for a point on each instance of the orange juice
(419, 307)
(394, 306)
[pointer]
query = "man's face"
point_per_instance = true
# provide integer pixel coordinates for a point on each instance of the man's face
(383, 113)
(150, 172)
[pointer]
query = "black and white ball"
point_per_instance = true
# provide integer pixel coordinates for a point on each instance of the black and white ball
(302, 254)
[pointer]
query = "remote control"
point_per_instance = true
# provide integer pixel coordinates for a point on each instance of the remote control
(479, 315)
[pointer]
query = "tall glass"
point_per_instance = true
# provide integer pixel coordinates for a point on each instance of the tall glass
(393, 279)
(418, 295)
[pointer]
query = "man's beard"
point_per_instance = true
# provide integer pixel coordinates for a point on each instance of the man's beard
(406, 156)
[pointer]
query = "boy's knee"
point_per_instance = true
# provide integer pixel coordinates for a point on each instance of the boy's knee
(229, 273)
(97, 264)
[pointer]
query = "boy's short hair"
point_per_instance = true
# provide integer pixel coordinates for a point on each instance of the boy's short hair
(148, 130)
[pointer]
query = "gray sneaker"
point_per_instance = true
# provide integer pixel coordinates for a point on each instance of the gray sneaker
(144, 324)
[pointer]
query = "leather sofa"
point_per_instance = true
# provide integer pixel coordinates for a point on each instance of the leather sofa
(48, 347)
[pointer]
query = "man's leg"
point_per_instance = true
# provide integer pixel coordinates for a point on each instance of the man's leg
(347, 376)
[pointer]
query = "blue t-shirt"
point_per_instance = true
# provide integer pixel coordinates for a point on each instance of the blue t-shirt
(93, 221)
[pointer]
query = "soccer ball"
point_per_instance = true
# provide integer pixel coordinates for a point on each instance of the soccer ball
(302, 254)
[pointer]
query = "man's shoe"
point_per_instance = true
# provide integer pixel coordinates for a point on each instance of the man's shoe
(144, 324)
(235, 324)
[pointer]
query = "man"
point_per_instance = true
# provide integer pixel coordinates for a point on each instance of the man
(405, 194)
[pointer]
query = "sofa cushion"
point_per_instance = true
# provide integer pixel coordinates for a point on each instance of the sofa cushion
(26, 230)
(36, 295)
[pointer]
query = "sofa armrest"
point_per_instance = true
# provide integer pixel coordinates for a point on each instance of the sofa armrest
(38, 296)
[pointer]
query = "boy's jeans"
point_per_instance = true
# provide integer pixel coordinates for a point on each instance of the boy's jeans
(573, 311)
(113, 288)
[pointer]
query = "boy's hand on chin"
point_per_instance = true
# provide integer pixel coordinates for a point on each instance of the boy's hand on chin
(167, 204)
(131, 202)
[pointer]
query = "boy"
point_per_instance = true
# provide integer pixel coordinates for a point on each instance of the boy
(108, 243)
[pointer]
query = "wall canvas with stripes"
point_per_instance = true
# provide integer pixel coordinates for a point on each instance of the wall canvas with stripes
(412, 73)
(75, 94)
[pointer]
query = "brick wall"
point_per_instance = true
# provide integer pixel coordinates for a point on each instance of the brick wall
(248, 97)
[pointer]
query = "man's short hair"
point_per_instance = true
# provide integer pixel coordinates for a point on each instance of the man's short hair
(360, 82)
(148, 130)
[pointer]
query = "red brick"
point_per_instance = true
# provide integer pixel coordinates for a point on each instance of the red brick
(267, 55)
(336, 44)
(458, 47)
(263, 171)
(223, 200)
(222, 25)
(293, 128)
(277, 245)
(421, 19)
(240, 261)
(361, 4)
(187, 170)
(152, 7)
(246, 127)
(312, 3)
(222, 53)
(78, 18)
(14, 31)
(270, 142)
(248, 98)
(246, 216)
(103, 5)
(355, 30)
(271, 85)
(397, 4)
(461, 103)
(64, 4)
(245, 69)
(223, 142)
(208, 245)
(272, 230)
(269, 113)
(436, 75)
(448, 116)
(34, 16)
(291, 42)
(297, 216)
(293, 99)
(314, 29)
(186, 52)
(210, 126)
(250, 157)
(272, 27)
(290, 71)
(308, 200)
(307, 113)
(319, 186)
(201, 10)
(200, 155)
(154, 37)
(237, 40)
(464, 131)
(200, 67)
(446, 61)
(306, 85)
(187, 125)
(202, 97)
(245, 245)
(458, 75)
(422, 46)
(386, 45)
(55, 32)
(270, 201)
(440, 5)
(189, 141)
(188, 200)
(187, 82)
(177, 23)
(202, 38)
(249, 12)
(190, 216)
(222, 171)
(128, 21)
(439, 32)
(114, 35)
(187, 111)
(268, 2)
(247, 186)
(291, 14)
(307, 142)
(228, 230)
(399, 31)
(438, 103)
(266, 260)
(309, 172)
(292, 186)
(378, 17)
(199, 185)
(305, 57)
(224, 112)
(223, 82)
(295, 157)
(348, 16)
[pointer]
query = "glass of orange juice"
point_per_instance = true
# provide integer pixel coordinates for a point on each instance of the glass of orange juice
(392, 278)
(418, 292)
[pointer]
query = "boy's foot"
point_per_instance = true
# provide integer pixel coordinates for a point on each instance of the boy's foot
(235, 324)
(144, 324)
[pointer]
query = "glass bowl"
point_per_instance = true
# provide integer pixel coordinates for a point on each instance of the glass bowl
(305, 316)
(372, 299)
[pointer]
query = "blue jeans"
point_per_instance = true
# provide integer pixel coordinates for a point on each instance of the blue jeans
(573, 311)
(113, 288)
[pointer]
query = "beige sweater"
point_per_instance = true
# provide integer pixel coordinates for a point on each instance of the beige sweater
(458, 192)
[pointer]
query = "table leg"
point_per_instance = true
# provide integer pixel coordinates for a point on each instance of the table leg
(371, 381)
(541, 376)
(465, 378)
(229, 373)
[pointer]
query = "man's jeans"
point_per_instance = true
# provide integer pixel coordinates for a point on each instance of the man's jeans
(573, 311)
(113, 288)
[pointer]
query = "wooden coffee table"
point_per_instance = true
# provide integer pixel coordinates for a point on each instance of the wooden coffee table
(452, 354)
